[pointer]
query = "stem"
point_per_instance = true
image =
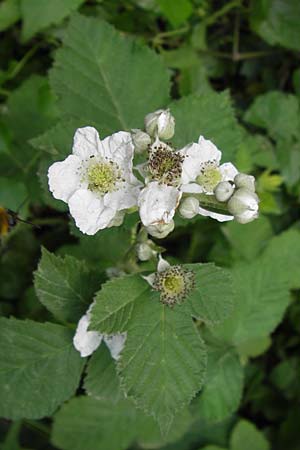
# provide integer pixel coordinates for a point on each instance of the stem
(236, 38)
(19, 66)
(43, 429)
(222, 12)
(210, 203)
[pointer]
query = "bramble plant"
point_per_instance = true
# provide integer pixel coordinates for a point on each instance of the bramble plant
(152, 299)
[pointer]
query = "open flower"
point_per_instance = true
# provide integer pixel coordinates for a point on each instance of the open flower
(173, 282)
(96, 180)
(202, 172)
(86, 342)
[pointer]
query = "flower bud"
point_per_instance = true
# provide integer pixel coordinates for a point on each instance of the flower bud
(223, 191)
(243, 205)
(189, 207)
(144, 251)
(161, 230)
(243, 180)
(160, 123)
(140, 140)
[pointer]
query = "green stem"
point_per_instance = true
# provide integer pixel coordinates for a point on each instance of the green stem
(222, 11)
(43, 429)
(19, 66)
(210, 203)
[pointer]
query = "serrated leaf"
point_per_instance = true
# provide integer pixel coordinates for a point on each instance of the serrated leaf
(277, 112)
(210, 115)
(163, 363)
(277, 21)
(223, 386)
(39, 15)
(115, 303)
(89, 424)
(101, 76)
(246, 436)
(212, 299)
(102, 381)
(65, 286)
(39, 368)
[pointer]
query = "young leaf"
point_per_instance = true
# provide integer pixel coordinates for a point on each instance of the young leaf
(210, 115)
(39, 15)
(65, 286)
(89, 424)
(39, 368)
(105, 79)
(163, 363)
(212, 299)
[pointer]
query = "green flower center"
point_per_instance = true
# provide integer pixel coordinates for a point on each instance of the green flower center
(210, 176)
(165, 164)
(102, 177)
(174, 284)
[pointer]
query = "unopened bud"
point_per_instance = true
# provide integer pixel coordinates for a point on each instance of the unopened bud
(243, 180)
(243, 205)
(140, 140)
(223, 191)
(144, 251)
(161, 230)
(189, 207)
(160, 123)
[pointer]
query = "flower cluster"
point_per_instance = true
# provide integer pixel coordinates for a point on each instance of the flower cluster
(98, 182)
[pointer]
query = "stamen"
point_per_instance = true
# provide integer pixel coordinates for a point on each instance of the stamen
(165, 165)
(210, 176)
(103, 176)
(174, 285)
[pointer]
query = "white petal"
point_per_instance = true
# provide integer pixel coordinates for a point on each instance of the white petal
(86, 342)
(86, 142)
(119, 148)
(64, 177)
(192, 188)
(124, 198)
(162, 264)
(209, 151)
(213, 215)
(228, 171)
(157, 203)
(115, 343)
(89, 211)
(150, 279)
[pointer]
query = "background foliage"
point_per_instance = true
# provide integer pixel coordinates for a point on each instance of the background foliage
(228, 70)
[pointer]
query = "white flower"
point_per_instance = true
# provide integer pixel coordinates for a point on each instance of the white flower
(243, 205)
(160, 123)
(189, 207)
(86, 342)
(96, 180)
(161, 230)
(141, 140)
(157, 203)
(202, 172)
(224, 190)
(173, 282)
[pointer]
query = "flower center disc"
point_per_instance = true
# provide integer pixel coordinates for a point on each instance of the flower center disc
(102, 177)
(174, 285)
(165, 165)
(209, 177)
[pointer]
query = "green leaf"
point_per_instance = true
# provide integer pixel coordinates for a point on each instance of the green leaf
(283, 255)
(177, 15)
(65, 286)
(212, 299)
(277, 21)
(278, 113)
(261, 299)
(223, 386)
(163, 363)
(39, 368)
(12, 193)
(115, 303)
(9, 13)
(250, 239)
(40, 15)
(110, 93)
(210, 115)
(102, 381)
(89, 424)
(246, 436)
